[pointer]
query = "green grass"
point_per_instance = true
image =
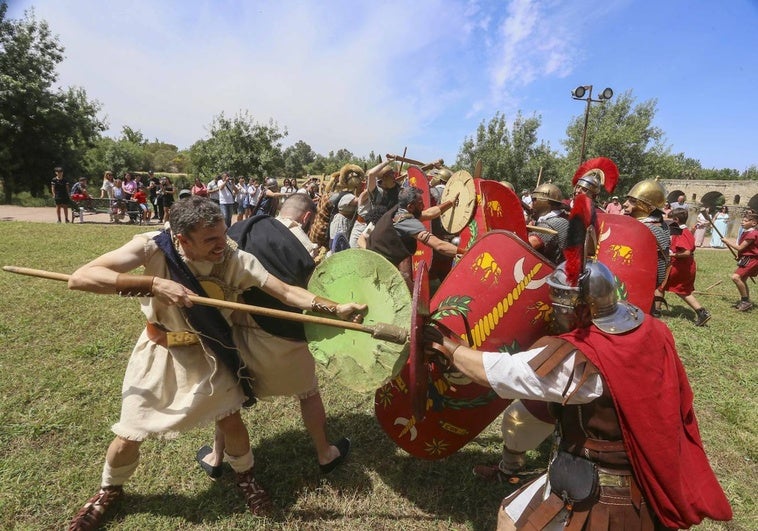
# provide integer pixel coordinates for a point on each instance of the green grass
(62, 357)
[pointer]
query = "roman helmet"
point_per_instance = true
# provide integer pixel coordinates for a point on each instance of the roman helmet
(646, 196)
(593, 300)
(584, 291)
(597, 173)
(440, 176)
(350, 178)
(271, 184)
(547, 192)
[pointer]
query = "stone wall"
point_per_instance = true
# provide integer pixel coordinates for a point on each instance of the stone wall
(736, 196)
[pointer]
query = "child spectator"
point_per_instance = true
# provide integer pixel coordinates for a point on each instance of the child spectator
(141, 198)
(343, 219)
(747, 258)
(681, 279)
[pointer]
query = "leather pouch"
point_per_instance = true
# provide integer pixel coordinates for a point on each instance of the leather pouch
(573, 478)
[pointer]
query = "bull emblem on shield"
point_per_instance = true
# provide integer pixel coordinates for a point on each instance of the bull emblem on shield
(486, 263)
(622, 252)
(494, 208)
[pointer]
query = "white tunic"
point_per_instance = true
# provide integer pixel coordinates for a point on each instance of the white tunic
(168, 391)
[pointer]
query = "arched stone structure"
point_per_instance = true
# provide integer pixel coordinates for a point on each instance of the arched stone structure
(737, 195)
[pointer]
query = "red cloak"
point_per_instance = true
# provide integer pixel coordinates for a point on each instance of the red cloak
(653, 400)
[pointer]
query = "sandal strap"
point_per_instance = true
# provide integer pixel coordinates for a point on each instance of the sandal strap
(256, 497)
(91, 514)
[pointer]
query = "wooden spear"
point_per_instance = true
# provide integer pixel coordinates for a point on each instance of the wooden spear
(383, 331)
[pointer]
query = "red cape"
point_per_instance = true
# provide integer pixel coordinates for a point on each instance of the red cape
(653, 400)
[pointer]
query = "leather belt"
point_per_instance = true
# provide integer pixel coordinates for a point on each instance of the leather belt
(157, 335)
(360, 219)
(614, 478)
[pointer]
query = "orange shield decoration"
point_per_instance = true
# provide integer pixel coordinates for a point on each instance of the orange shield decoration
(499, 292)
(417, 178)
(497, 208)
(418, 368)
(630, 250)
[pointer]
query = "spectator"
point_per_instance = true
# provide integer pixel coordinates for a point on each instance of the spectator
(213, 188)
(614, 207)
(287, 187)
(153, 185)
(226, 197)
(526, 198)
(681, 202)
(130, 185)
(60, 190)
(700, 225)
(199, 188)
(166, 197)
(141, 199)
(241, 197)
(720, 227)
(106, 190)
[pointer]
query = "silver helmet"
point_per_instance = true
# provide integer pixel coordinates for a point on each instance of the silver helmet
(272, 184)
(590, 182)
(594, 301)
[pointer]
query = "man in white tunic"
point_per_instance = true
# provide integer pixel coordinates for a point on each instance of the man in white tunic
(175, 379)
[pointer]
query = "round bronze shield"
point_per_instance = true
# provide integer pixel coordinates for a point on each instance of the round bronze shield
(461, 184)
(356, 359)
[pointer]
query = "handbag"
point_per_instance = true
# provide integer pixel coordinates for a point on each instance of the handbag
(573, 478)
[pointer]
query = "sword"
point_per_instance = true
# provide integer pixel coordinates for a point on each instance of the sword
(383, 331)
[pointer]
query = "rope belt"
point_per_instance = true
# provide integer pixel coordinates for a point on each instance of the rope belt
(159, 336)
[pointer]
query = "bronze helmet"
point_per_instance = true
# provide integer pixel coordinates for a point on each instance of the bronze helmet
(649, 195)
(548, 192)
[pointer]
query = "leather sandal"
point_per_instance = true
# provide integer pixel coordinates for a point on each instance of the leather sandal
(256, 497)
(343, 446)
(90, 516)
(214, 472)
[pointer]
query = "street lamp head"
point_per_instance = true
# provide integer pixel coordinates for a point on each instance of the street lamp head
(606, 94)
(579, 92)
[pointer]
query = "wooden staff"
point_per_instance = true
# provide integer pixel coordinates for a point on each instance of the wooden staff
(384, 331)
(539, 177)
(708, 217)
(734, 253)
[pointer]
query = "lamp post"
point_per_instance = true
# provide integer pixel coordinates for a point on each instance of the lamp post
(579, 94)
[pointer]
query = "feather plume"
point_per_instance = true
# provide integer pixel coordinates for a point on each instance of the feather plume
(582, 216)
(604, 168)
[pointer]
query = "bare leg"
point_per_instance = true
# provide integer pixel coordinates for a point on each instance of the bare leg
(691, 301)
(741, 286)
(314, 418)
(233, 434)
(122, 452)
(216, 457)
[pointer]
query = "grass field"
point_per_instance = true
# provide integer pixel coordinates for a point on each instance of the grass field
(62, 357)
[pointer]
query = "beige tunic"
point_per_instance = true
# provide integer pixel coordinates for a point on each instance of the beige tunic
(169, 391)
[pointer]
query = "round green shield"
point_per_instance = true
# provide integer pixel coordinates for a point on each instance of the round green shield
(356, 359)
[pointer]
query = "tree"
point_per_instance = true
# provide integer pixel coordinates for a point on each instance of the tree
(39, 127)
(240, 146)
(624, 133)
(297, 157)
(514, 155)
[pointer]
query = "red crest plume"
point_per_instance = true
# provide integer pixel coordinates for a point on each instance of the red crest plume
(604, 168)
(581, 217)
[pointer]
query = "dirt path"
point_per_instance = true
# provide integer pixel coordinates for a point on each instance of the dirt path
(43, 215)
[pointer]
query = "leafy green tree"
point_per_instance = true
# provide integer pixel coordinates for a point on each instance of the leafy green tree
(39, 127)
(623, 132)
(297, 158)
(514, 155)
(240, 146)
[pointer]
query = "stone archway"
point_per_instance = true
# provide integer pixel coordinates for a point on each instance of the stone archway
(713, 199)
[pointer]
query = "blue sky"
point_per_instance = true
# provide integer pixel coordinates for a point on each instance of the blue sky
(376, 75)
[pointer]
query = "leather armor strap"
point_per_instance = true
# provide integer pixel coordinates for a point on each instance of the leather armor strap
(323, 305)
(555, 351)
(134, 285)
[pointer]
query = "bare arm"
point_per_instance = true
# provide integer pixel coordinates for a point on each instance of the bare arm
(303, 299)
(732, 242)
(439, 245)
(101, 275)
(372, 174)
